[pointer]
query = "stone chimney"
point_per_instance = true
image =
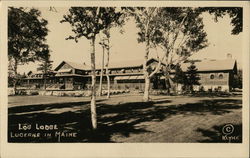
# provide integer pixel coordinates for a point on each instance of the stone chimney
(229, 56)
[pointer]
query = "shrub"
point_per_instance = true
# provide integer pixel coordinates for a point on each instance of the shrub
(33, 93)
(88, 93)
(126, 86)
(201, 89)
(21, 92)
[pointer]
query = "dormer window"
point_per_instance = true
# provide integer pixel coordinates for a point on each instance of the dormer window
(212, 76)
(221, 76)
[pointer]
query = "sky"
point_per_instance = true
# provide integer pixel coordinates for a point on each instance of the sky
(125, 47)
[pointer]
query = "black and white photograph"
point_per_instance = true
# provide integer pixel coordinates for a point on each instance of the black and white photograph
(128, 74)
(125, 74)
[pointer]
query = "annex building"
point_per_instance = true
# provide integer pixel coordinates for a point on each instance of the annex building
(214, 74)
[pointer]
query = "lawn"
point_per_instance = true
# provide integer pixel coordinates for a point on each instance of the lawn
(125, 118)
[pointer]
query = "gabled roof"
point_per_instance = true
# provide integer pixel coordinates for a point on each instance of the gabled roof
(77, 65)
(204, 65)
(112, 65)
(212, 65)
(127, 64)
(73, 65)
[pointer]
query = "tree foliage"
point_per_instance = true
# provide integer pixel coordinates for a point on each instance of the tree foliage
(148, 22)
(184, 34)
(192, 76)
(237, 80)
(179, 76)
(45, 66)
(27, 33)
(177, 30)
(235, 13)
(88, 21)
(46, 63)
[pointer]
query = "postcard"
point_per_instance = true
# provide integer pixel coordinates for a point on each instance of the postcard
(124, 79)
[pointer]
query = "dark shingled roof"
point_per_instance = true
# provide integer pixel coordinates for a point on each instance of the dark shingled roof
(77, 65)
(204, 65)
(112, 65)
(211, 65)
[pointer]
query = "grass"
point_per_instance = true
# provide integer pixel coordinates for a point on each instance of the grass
(125, 118)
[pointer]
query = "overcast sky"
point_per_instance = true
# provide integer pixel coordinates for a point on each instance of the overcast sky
(125, 46)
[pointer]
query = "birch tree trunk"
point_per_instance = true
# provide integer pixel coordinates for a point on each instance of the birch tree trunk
(108, 82)
(107, 73)
(146, 90)
(167, 79)
(107, 67)
(100, 84)
(146, 74)
(15, 76)
(93, 88)
(44, 82)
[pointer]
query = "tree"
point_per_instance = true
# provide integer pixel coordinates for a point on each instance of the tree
(14, 79)
(237, 80)
(27, 33)
(107, 47)
(88, 22)
(102, 66)
(149, 23)
(192, 77)
(118, 20)
(45, 66)
(179, 76)
(183, 36)
(177, 30)
(235, 13)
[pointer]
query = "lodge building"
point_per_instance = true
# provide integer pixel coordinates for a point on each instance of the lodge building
(75, 76)
(214, 74)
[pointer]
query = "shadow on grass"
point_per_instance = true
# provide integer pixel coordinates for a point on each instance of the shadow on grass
(216, 135)
(120, 119)
(37, 107)
(215, 94)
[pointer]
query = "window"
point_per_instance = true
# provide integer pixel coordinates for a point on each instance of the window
(221, 76)
(212, 76)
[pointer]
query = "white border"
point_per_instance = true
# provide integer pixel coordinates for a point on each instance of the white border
(43, 150)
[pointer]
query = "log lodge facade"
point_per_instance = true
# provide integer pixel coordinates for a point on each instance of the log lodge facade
(214, 74)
